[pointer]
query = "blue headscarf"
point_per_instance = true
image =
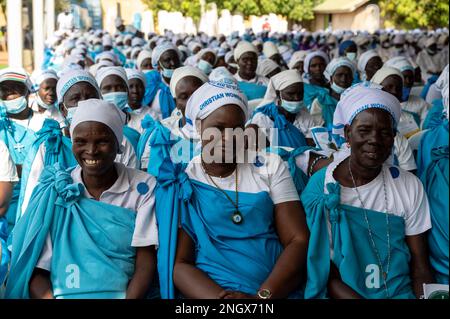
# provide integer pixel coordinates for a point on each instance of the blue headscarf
(344, 45)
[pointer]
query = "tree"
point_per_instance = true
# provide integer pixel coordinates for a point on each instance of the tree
(411, 14)
(189, 8)
(295, 10)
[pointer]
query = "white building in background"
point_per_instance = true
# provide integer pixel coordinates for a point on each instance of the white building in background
(277, 23)
(237, 24)
(224, 23)
(208, 20)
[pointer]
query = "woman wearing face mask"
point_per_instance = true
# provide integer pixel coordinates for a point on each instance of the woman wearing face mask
(391, 81)
(113, 85)
(283, 110)
(412, 104)
(165, 59)
(144, 61)
(184, 82)
(368, 64)
(97, 216)
(253, 199)
(18, 124)
(339, 72)
(207, 59)
(349, 49)
(44, 101)
(365, 215)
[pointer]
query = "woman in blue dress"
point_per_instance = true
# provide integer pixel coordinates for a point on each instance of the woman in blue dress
(368, 219)
(243, 230)
(89, 231)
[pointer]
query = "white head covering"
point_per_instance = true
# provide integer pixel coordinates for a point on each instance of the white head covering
(431, 40)
(335, 64)
(400, 63)
(203, 51)
(71, 78)
(243, 47)
(266, 66)
(270, 49)
(279, 82)
(297, 56)
(399, 39)
(211, 96)
(39, 76)
(361, 97)
(96, 110)
(221, 74)
(312, 55)
(107, 41)
(365, 58)
(111, 70)
(383, 73)
(136, 74)
(107, 55)
(183, 72)
(160, 49)
(118, 22)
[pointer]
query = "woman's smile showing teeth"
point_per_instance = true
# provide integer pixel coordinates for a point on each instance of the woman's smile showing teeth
(90, 162)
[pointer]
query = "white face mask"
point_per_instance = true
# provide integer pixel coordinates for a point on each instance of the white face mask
(205, 66)
(292, 106)
(351, 56)
(42, 103)
(15, 106)
(336, 88)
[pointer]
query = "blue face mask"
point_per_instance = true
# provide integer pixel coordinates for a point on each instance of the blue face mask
(351, 56)
(70, 113)
(336, 88)
(43, 104)
(292, 106)
(167, 73)
(98, 48)
(146, 71)
(405, 94)
(119, 99)
(15, 106)
(205, 66)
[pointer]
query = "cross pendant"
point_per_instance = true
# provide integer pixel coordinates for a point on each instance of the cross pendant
(19, 147)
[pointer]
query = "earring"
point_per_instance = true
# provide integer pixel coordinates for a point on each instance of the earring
(348, 144)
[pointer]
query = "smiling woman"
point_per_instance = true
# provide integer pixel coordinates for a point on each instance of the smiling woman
(101, 194)
(360, 195)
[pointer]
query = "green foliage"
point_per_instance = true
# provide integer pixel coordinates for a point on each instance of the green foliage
(296, 10)
(410, 14)
(189, 8)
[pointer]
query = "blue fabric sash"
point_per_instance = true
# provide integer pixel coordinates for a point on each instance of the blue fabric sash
(351, 244)
(436, 182)
(435, 115)
(431, 80)
(10, 132)
(5, 256)
(172, 192)
(251, 90)
(93, 237)
(148, 124)
(430, 139)
(237, 257)
(312, 91)
(288, 134)
(299, 177)
(328, 105)
(132, 136)
(154, 84)
(58, 149)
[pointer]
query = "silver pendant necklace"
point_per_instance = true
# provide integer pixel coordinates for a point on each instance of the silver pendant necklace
(369, 228)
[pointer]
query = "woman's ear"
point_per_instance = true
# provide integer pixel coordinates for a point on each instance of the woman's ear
(347, 133)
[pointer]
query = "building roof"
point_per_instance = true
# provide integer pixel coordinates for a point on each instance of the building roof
(339, 6)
